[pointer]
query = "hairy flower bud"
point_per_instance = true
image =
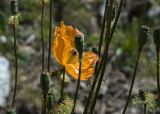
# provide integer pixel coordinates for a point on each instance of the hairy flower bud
(156, 37)
(79, 43)
(143, 35)
(142, 94)
(14, 7)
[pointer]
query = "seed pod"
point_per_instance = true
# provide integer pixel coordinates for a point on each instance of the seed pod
(14, 7)
(10, 111)
(156, 37)
(45, 82)
(142, 94)
(143, 35)
(50, 100)
(79, 43)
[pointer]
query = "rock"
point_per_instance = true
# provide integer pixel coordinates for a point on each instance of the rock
(4, 80)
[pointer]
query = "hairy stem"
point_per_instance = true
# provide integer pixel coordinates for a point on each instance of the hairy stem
(145, 108)
(50, 33)
(78, 84)
(132, 83)
(42, 34)
(157, 65)
(62, 85)
(99, 51)
(44, 104)
(16, 63)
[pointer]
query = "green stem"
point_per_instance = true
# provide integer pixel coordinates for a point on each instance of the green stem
(62, 85)
(50, 33)
(42, 34)
(158, 83)
(132, 83)
(99, 51)
(145, 108)
(78, 84)
(16, 63)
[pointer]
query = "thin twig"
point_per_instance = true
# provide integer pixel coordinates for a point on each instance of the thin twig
(50, 33)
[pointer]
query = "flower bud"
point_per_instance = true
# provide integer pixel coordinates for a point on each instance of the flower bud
(142, 94)
(79, 43)
(14, 7)
(156, 37)
(143, 35)
(10, 111)
(45, 82)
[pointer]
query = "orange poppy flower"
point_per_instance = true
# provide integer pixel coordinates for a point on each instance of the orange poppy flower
(65, 53)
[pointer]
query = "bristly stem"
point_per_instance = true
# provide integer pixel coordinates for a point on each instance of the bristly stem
(103, 59)
(157, 65)
(50, 33)
(62, 84)
(132, 83)
(105, 55)
(99, 51)
(16, 62)
(78, 84)
(42, 34)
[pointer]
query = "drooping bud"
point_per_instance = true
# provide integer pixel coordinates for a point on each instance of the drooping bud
(14, 7)
(156, 37)
(143, 36)
(79, 44)
(10, 111)
(50, 99)
(142, 94)
(45, 82)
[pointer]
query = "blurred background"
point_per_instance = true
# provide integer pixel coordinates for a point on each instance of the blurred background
(86, 15)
